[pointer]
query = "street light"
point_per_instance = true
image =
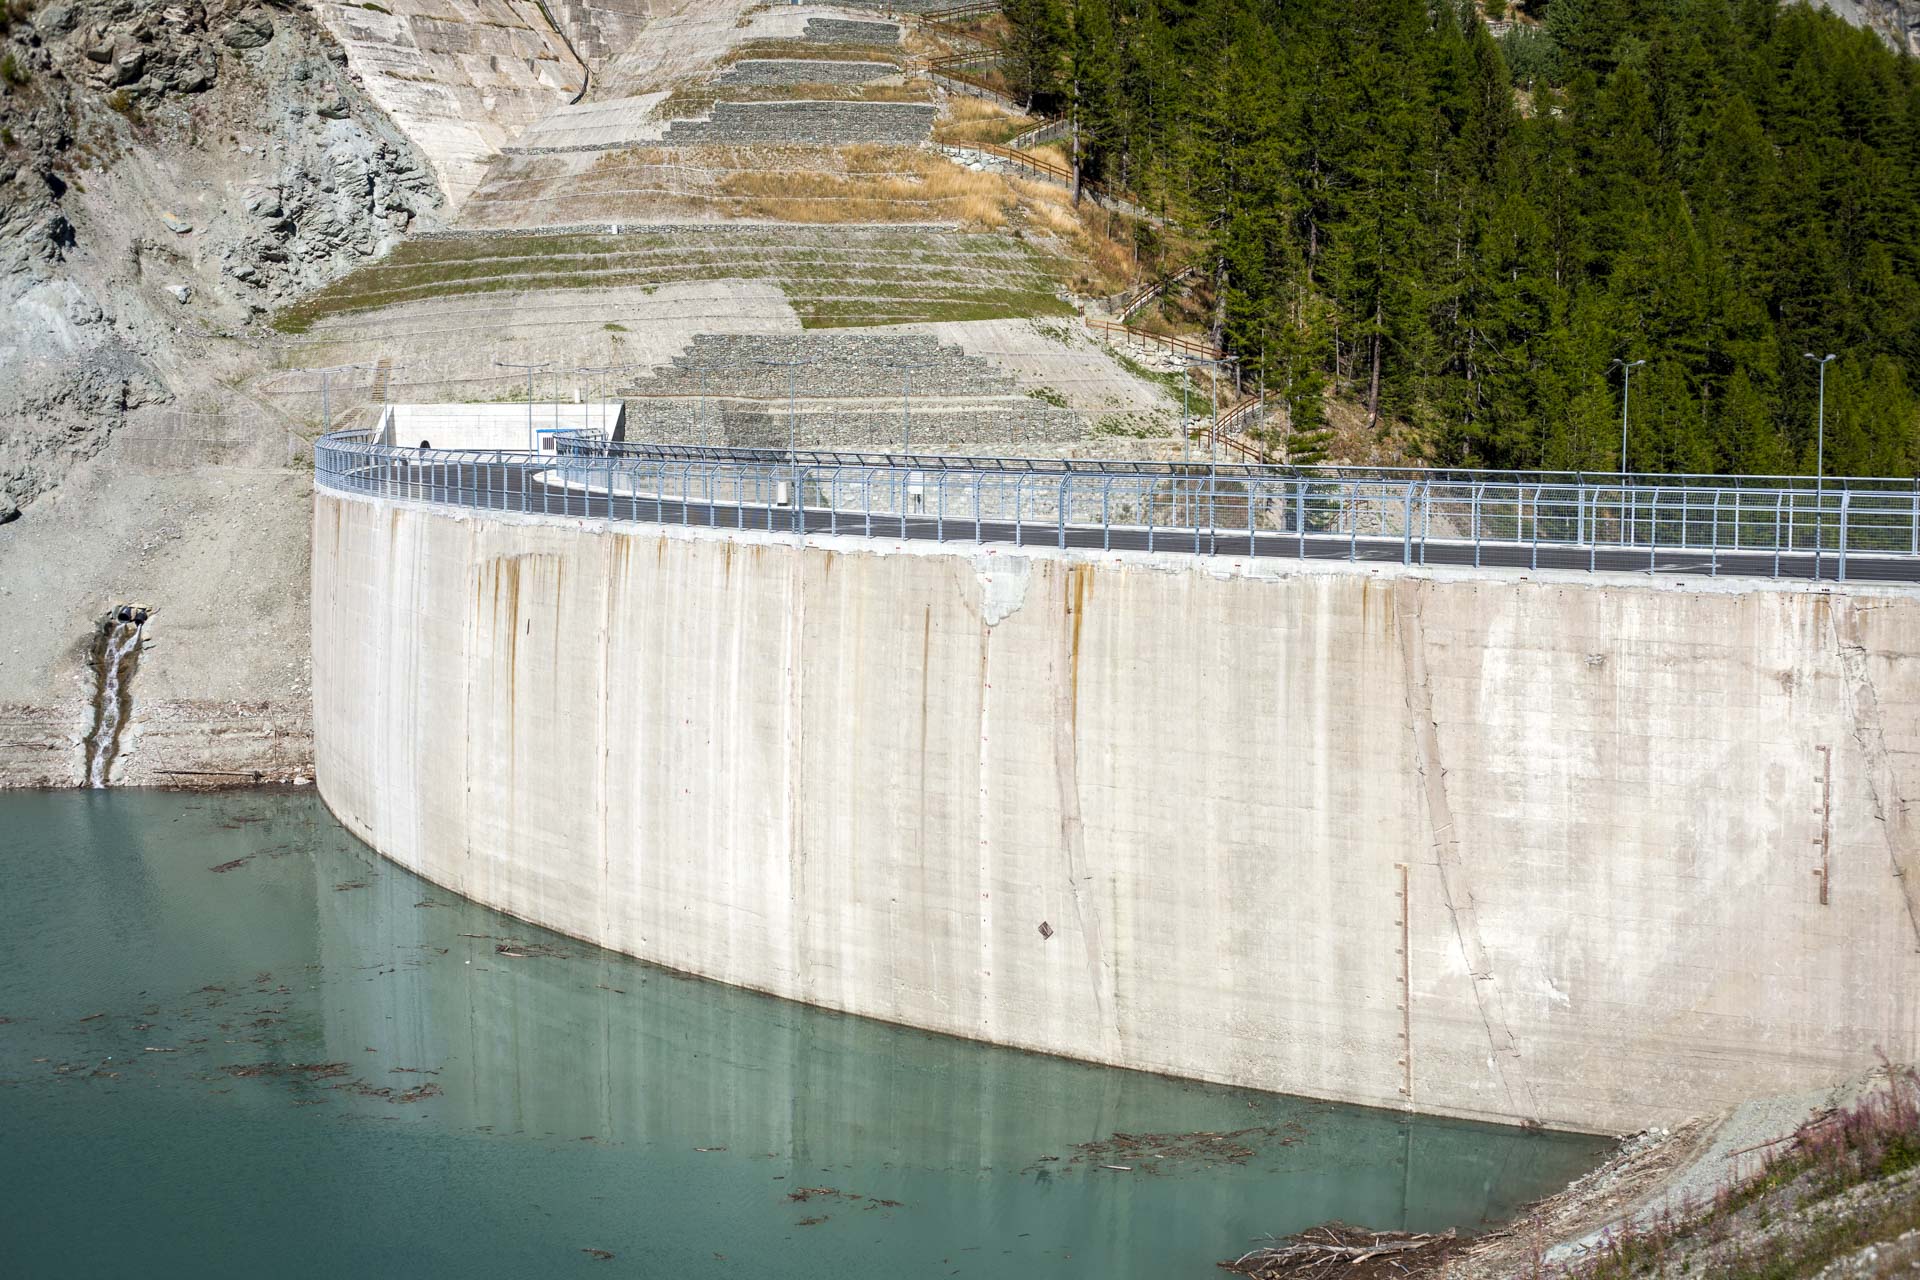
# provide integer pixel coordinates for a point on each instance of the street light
(1626, 391)
(532, 446)
(326, 399)
(793, 369)
(598, 382)
(1820, 428)
(906, 368)
(1213, 437)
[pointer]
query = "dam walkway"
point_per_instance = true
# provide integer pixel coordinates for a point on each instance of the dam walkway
(1770, 527)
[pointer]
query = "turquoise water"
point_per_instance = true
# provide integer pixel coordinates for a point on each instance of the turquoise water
(310, 1063)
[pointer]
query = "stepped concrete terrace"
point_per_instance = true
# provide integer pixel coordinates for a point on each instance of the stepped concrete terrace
(775, 72)
(834, 277)
(819, 121)
(850, 31)
(839, 366)
(850, 395)
(1009, 425)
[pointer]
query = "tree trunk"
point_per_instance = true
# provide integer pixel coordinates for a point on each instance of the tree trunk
(1074, 129)
(1218, 330)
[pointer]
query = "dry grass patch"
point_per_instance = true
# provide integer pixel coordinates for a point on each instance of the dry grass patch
(969, 121)
(880, 184)
(690, 102)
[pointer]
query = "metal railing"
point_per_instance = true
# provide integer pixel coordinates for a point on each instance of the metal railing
(1792, 527)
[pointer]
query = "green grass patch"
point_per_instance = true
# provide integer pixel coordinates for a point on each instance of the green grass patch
(833, 278)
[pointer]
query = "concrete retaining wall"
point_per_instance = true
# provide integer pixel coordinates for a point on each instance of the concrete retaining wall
(1009, 426)
(1510, 847)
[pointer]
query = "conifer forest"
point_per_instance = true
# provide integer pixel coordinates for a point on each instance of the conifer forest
(1471, 236)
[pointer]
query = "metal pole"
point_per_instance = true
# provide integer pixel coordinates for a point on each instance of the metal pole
(532, 442)
(1185, 437)
(1820, 454)
(1626, 392)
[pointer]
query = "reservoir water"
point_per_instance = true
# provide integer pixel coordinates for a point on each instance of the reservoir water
(233, 1040)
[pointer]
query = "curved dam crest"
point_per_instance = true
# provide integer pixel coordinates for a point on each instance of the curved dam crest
(1525, 848)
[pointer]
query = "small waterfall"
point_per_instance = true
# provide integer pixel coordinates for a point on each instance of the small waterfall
(116, 653)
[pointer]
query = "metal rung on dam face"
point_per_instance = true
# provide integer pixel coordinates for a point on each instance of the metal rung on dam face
(1833, 529)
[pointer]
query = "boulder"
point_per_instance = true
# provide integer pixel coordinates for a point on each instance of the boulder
(249, 29)
(126, 59)
(56, 20)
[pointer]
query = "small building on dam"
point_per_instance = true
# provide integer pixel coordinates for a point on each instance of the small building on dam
(1561, 803)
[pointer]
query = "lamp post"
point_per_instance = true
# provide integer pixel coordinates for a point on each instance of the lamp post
(1820, 423)
(906, 368)
(326, 398)
(1213, 438)
(1626, 368)
(532, 444)
(1820, 458)
(597, 375)
(793, 370)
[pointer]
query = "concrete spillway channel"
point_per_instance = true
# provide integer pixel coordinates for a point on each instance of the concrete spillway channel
(115, 657)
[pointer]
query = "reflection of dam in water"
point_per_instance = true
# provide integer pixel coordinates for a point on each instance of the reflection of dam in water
(580, 1099)
(590, 1042)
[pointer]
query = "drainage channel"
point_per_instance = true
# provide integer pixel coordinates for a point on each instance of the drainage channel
(115, 657)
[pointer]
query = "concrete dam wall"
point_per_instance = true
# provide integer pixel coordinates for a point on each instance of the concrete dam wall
(1595, 852)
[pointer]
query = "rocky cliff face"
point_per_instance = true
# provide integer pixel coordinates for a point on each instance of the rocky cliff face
(168, 171)
(1897, 21)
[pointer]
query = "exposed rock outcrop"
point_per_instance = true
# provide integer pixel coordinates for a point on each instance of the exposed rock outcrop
(1897, 21)
(167, 172)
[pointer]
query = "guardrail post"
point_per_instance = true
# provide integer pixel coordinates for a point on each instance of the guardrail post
(1426, 518)
(1846, 498)
(1406, 526)
(1253, 537)
(1065, 480)
(1106, 515)
(1713, 556)
(1476, 524)
(1300, 516)
(1535, 562)
(1352, 503)
(1019, 492)
(1653, 531)
(940, 509)
(979, 482)
(1779, 498)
